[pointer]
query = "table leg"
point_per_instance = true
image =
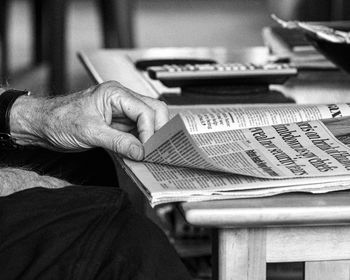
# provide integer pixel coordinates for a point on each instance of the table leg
(327, 270)
(239, 254)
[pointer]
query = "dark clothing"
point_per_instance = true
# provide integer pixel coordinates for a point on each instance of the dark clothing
(81, 232)
(94, 167)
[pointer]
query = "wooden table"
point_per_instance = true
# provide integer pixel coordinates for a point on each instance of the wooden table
(249, 233)
(314, 229)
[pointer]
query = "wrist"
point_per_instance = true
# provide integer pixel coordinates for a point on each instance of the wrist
(7, 99)
(26, 119)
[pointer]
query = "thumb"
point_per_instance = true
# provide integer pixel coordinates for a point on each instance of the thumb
(120, 142)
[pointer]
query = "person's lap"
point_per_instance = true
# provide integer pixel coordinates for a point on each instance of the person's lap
(79, 232)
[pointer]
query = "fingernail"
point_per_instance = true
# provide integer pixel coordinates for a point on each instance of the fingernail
(135, 152)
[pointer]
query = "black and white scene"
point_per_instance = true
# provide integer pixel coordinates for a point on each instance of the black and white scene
(175, 139)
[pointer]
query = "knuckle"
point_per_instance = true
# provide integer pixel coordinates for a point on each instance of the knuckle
(149, 113)
(163, 106)
(156, 105)
(110, 83)
(109, 86)
(120, 144)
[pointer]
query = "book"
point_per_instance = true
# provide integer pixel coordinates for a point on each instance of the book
(240, 151)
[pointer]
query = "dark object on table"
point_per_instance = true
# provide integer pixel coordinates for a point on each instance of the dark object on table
(338, 53)
(143, 64)
(294, 44)
(282, 40)
(226, 94)
(294, 40)
(222, 74)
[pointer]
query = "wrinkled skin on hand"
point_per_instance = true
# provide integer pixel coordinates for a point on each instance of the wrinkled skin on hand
(101, 116)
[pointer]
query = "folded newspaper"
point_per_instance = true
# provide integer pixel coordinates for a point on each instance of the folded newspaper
(226, 152)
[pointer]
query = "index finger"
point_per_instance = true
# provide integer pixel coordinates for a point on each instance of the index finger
(160, 109)
(137, 111)
(161, 113)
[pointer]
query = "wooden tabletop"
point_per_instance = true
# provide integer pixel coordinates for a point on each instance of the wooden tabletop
(281, 210)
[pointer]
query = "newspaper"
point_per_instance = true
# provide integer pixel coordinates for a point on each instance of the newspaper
(221, 152)
(320, 31)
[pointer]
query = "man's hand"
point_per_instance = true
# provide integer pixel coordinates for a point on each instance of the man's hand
(101, 116)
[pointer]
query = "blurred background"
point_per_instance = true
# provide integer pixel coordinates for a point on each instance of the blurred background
(151, 23)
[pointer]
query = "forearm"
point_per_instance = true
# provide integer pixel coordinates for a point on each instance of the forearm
(25, 121)
(14, 179)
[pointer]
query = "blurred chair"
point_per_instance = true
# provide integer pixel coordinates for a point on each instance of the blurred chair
(49, 22)
(49, 19)
(117, 23)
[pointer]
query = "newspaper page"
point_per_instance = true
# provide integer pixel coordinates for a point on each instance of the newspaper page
(244, 116)
(279, 151)
(165, 184)
(204, 118)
